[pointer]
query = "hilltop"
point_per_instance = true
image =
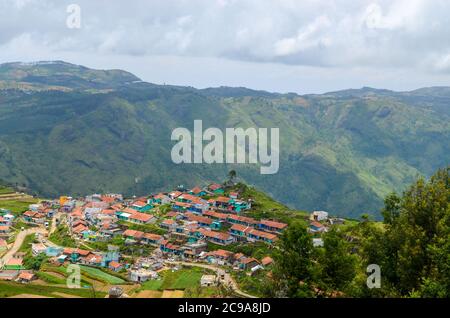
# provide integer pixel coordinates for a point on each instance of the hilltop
(69, 129)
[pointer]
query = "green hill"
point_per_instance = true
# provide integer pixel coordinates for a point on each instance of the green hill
(73, 130)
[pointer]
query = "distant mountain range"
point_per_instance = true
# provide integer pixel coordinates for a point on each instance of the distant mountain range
(68, 129)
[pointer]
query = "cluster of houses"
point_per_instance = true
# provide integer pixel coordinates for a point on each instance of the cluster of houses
(191, 220)
(181, 224)
(6, 219)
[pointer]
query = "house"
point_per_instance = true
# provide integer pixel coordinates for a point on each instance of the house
(141, 206)
(216, 188)
(6, 220)
(317, 242)
(220, 257)
(319, 216)
(216, 215)
(141, 218)
(248, 263)
(92, 260)
(197, 191)
(234, 195)
(267, 261)
(316, 227)
(253, 234)
(216, 237)
(159, 199)
(272, 226)
(133, 235)
(168, 224)
(174, 194)
(202, 221)
(33, 217)
(208, 280)
(142, 275)
(194, 249)
(167, 247)
(152, 239)
(115, 266)
(38, 248)
(181, 206)
(4, 230)
(223, 202)
(14, 264)
(25, 277)
(242, 220)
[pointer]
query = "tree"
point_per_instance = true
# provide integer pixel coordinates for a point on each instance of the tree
(416, 242)
(391, 209)
(338, 265)
(231, 176)
(293, 274)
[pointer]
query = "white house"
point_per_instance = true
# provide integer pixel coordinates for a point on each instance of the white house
(319, 216)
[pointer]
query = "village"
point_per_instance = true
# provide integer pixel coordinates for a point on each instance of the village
(136, 239)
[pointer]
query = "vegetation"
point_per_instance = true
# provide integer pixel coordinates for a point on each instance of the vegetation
(8, 289)
(62, 238)
(17, 207)
(412, 249)
(185, 278)
(100, 275)
(341, 152)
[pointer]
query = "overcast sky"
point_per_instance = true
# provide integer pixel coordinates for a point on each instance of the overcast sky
(304, 46)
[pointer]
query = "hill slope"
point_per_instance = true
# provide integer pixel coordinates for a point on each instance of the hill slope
(69, 129)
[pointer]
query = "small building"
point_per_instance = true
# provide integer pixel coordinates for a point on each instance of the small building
(267, 261)
(14, 264)
(142, 275)
(26, 277)
(38, 248)
(115, 266)
(319, 216)
(208, 280)
(317, 242)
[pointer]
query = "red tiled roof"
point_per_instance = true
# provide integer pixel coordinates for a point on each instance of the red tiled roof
(267, 260)
(196, 190)
(223, 199)
(153, 237)
(214, 234)
(143, 217)
(277, 225)
(133, 233)
(243, 219)
(114, 264)
(214, 186)
(26, 276)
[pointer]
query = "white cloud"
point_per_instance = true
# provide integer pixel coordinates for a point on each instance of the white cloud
(394, 35)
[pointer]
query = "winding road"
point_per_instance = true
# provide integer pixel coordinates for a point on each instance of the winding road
(18, 243)
(227, 280)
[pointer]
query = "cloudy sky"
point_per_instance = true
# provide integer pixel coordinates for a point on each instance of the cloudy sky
(304, 46)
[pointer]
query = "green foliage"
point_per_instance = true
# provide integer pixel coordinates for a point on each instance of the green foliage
(293, 271)
(338, 266)
(34, 262)
(90, 132)
(62, 238)
(8, 289)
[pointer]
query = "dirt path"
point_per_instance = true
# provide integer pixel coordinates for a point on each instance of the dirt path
(227, 281)
(18, 243)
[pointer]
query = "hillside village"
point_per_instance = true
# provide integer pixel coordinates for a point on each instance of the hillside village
(136, 239)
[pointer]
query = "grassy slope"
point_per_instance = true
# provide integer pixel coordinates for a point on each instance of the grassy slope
(8, 289)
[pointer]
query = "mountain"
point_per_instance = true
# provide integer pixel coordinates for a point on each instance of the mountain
(69, 129)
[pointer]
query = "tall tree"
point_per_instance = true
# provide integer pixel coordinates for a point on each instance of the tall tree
(338, 264)
(293, 272)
